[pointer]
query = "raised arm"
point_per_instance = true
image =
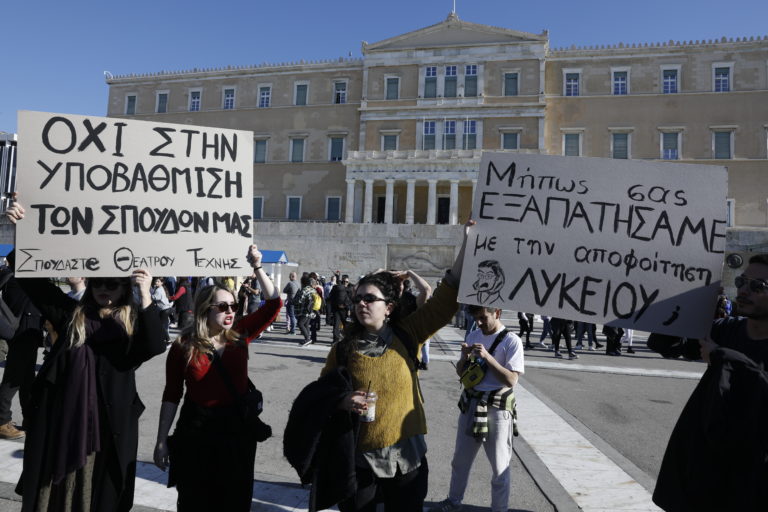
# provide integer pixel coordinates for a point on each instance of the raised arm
(267, 286)
(425, 291)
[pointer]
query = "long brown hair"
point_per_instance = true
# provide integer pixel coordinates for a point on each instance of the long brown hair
(124, 312)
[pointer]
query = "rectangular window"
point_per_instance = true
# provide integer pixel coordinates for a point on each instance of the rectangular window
(449, 89)
(389, 143)
(669, 85)
(301, 94)
(258, 208)
(293, 208)
(470, 81)
(510, 84)
(130, 105)
(297, 150)
(162, 102)
(449, 135)
(722, 79)
(469, 139)
(333, 208)
(265, 96)
(572, 143)
(620, 83)
(572, 84)
(509, 140)
(337, 149)
(620, 145)
(393, 88)
(340, 92)
(194, 101)
(428, 139)
(670, 145)
(260, 151)
(229, 99)
(723, 145)
(430, 82)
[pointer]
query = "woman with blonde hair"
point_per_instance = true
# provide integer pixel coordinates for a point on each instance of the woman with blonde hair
(80, 451)
(211, 453)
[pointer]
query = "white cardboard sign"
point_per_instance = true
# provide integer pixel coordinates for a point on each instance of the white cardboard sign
(627, 243)
(104, 196)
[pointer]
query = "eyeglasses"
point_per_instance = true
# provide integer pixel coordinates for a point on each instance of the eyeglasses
(223, 307)
(755, 285)
(109, 284)
(367, 298)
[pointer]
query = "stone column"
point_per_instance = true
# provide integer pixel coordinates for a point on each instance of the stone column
(368, 209)
(432, 202)
(453, 214)
(410, 200)
(350, 212)
(389, 200)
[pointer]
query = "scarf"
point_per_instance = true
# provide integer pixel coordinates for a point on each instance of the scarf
(502, 398)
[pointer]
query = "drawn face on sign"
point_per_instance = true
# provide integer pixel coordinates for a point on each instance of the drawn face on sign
(489, 282)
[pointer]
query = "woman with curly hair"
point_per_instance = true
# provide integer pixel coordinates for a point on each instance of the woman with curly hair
(212, 451)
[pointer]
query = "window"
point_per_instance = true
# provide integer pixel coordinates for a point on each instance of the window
(258, 208)
(722, 79)
(469, 138)
(265, 96)
(130, 104)
(620, 145)
(194, 101)
(572, 84)
(430, 82)
(510, 84)
(333, 208)
(428, 139)
(510, 140)
(722, 142)
(297, 150)
(731, 212)
(293, 207)
(449, 89)
(669, 81)
(337, 149)
(389, 143)
(449, 135)
(470, 81)
(340, 92)
(260, 151)
(443, 209)
(620, 83)
(572, 144)
(161, 106)
(670, 145)
(300, 94)
(229, 99)
(393, 88)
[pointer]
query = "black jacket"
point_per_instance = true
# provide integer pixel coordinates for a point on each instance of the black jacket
(319, 440)
(339, 298)
(717, 457)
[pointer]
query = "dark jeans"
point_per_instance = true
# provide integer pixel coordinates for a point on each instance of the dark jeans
(303, 322)
(401, 493)
(590, 329)
(290, 320)
(339, 319)
(19, 371)
(563, 330)
(314, 326)
(526, 327)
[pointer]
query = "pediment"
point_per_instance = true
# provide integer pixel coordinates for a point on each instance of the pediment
(453, 32)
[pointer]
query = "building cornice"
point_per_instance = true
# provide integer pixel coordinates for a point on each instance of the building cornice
(622, 48)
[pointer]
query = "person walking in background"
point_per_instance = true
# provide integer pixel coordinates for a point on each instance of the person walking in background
(182, 302)
(562, 328)
(341, 303)
(546, 330)
(76, 287)
(627, 338)
(290, 290)
(160, 299)
(526, 327)
(302, 304)
(591, 331)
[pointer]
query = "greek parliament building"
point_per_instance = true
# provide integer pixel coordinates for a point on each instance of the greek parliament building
(370, 162)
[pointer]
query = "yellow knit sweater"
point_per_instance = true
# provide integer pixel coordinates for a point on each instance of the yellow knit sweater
(399, 411)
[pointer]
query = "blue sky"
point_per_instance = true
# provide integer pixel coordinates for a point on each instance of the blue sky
(54, 53)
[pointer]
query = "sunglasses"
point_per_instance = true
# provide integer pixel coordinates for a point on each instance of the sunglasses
(368, 298)
(224, 307)
(755, 285)
(109, 284)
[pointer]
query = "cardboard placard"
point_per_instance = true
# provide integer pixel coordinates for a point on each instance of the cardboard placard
(104, 196)
(627, 243)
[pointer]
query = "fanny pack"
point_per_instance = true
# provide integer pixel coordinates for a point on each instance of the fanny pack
(475, 371)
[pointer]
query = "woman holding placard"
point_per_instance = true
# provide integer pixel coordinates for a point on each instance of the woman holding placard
(80, 451)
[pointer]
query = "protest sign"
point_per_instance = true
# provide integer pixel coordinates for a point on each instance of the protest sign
(627, 243)
(104, 196)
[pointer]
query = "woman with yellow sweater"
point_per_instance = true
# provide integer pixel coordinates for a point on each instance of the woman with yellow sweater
(379, 352)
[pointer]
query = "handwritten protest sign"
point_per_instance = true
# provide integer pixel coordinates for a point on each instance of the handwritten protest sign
(628, 243)
(105, 196)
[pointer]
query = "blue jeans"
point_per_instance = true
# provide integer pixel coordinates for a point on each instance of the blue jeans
(290, 321)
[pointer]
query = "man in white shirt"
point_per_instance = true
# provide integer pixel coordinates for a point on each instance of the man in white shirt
(495, 435)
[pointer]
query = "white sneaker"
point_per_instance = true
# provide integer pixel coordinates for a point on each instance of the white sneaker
(446, 506)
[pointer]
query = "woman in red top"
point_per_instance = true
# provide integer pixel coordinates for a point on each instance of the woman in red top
(213, 452)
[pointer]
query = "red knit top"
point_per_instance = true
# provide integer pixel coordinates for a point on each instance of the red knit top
(204, 383)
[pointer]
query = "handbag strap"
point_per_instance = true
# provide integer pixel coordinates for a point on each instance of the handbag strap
(499, 338)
